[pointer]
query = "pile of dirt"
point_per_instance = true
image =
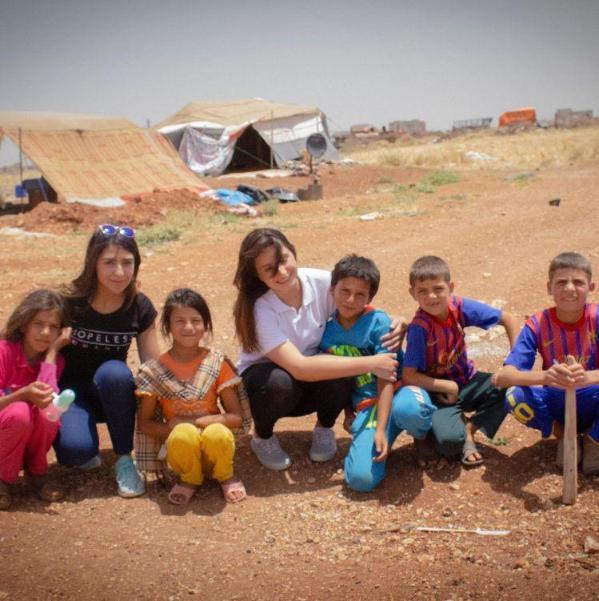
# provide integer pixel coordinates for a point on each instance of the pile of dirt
(139, 211)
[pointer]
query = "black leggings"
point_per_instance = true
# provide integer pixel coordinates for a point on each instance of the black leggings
(274, 393)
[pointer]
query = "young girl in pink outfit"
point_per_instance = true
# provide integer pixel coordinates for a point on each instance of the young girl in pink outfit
(29, 369)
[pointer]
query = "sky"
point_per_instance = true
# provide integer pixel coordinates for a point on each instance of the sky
(360, 61)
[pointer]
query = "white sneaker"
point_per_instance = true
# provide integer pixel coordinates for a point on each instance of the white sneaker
(324, 445)
(269, 453)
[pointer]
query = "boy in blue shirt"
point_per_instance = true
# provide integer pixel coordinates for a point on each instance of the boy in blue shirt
(436, 360)
(381, 409)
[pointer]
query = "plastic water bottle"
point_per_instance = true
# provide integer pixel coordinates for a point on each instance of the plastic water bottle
(60, 403)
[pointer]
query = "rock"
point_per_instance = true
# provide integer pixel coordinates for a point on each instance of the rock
(454, 486)
(447, 512)
(548, 505)
(521, 564)
(591, 545)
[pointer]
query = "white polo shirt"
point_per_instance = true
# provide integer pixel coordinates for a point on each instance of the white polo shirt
(277, 322)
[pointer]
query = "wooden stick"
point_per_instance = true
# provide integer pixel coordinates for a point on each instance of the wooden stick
(570, 450)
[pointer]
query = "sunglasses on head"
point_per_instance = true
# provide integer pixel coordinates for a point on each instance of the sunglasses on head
(117, 230)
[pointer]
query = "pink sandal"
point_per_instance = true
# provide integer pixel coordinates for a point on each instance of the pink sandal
(233, 490)
(181, 494)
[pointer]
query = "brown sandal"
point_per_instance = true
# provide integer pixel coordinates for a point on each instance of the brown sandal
(5, 497)
(45, 489)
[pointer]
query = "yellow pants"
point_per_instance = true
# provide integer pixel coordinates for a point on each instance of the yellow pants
(193, 455)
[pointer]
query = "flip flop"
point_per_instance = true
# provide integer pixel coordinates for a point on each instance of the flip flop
(181, 494)
(45, 489)
(233, 490)
(5, 498)
(468, 450)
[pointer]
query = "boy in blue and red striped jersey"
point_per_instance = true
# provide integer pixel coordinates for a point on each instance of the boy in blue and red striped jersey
(436, 360)
(565, 336)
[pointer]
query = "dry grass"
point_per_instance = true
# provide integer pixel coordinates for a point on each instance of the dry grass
(526, 150)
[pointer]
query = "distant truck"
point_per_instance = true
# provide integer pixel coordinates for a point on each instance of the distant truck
(522, 116)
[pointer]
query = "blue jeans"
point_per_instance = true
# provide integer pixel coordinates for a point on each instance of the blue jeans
(108, 398)
(411, 410)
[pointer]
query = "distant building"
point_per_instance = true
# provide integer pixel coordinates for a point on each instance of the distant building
(415, 127)
(363, 129)
(570, 118)
(482, 123)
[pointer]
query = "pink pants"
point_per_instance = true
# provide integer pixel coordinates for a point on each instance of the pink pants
(25, 439)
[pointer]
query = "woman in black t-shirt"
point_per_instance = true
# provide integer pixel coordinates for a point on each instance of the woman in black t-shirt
(105, 312)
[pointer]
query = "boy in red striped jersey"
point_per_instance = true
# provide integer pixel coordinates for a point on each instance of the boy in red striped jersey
(436, 360)
(565, 336)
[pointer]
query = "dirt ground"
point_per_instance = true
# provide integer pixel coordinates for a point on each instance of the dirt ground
(301, 534)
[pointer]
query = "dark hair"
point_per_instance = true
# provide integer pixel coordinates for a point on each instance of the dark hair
(571, 260)
(28, 308)
(184, 297)
(248, 283)
(353, 266)
(427, 268)
(86, 283)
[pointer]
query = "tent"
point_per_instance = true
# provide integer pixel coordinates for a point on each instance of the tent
(243, 134)
(95, 159)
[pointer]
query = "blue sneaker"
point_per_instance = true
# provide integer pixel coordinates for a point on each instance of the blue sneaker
(127, 477)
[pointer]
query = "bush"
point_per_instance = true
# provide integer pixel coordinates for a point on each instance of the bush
(440, 178)
(157, 235)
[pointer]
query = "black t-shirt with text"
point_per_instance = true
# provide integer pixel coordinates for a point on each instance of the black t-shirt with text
(98, 337)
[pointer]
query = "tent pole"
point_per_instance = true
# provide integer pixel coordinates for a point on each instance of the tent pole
(272, 138)
(20, 167)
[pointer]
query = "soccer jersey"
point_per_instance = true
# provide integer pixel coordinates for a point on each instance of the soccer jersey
(437, 347)
(362, 339)
(554, 340)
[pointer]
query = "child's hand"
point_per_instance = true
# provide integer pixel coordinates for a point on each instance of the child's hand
(348, 420)
(447, 398)
(578, 372)
(175, 421)
(450, 394)
(64, 338)
(393, 340)
(385, 366)
(559, 375)
(381, 444)
(37, 393)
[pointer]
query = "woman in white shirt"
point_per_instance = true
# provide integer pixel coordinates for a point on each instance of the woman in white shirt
(280, 315)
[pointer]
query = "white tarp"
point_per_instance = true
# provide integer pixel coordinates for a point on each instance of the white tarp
(207, 155)
(287, 136)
